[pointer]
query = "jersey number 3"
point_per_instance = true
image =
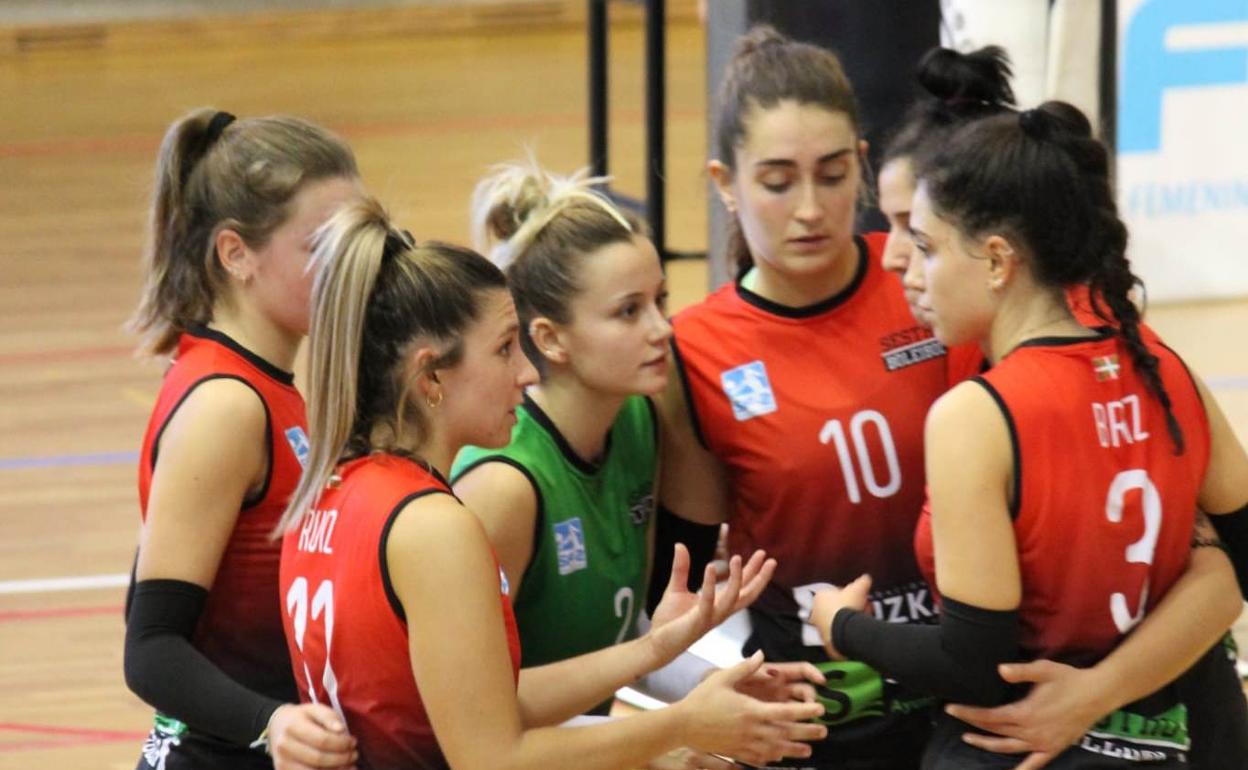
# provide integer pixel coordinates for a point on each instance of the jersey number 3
(1141, 551)
(322, 605)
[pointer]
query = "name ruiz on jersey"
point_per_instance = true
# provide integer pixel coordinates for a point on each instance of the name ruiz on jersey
(317, 531)
(909, 347)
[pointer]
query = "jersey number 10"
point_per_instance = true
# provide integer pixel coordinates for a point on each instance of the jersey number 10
(833, 431)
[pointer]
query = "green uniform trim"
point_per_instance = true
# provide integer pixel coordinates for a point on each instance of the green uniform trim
(586, 580)
(1167, 730)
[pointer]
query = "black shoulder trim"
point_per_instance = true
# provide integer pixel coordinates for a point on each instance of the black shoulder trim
(250, 500)
(1016, 492)
(538, 516)
(382, 562)
(221, 338)
(569, 454)
(1102, 332)
(688, 391)
(823, 305)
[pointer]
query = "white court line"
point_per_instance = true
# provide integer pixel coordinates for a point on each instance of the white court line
(47, 585)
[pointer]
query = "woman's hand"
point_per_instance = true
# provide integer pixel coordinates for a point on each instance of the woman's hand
(682, 616)
(720, 720)
(782, 682)
(309, 735)
(1064, 702)
(832, 600)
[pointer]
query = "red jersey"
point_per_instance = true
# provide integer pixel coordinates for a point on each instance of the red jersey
(1103, 508)
(240, 629)
(346, 629)
(817, 415)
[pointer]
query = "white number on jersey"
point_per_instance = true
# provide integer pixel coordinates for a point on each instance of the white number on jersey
(624, 609)
(1141, 551)
(297, 608)
(833, 431)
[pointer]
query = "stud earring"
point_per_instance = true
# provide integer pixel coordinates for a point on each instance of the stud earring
(432, 402)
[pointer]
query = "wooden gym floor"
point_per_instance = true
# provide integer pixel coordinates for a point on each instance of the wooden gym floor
(428, 100)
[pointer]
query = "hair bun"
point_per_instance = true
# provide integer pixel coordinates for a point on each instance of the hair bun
(978, 77)
(759, 37)
(1034, 123)
(1068, 118)
(512, 205)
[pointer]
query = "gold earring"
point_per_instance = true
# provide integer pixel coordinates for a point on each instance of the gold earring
(433, 403)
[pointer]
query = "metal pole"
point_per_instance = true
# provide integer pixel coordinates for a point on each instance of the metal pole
(598, 86)
(656, 146)
(1109, 74)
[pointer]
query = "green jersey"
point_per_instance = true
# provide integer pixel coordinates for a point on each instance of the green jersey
(586, 579)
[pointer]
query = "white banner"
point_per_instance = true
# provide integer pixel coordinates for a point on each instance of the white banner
(1183, 144)
(1054, 45)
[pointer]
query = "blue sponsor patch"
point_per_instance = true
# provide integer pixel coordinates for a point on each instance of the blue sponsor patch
(570, 546)
(749, 390)
(298, 441)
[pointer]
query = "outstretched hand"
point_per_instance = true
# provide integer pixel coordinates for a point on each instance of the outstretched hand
(720, 720)
(683, 616)
(782, 682)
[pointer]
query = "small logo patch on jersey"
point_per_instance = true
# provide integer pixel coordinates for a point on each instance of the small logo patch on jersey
(570, 546)
(502, 582)
(749, 390)
(299, 444)
(642, 509)
(909, 347)
(1106, 367)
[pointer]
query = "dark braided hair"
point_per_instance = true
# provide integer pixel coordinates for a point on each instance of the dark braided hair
(1041, 179)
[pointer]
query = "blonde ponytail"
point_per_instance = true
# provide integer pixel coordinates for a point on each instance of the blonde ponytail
(346, 258)
(375, 296)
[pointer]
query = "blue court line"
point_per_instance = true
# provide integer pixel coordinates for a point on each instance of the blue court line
(67, 461)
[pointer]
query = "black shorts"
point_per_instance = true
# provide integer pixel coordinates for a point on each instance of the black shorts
(170, 746)
(899, 749)
(1217, 713)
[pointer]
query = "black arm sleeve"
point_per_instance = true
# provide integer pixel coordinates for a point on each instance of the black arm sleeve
(955, 660)
(1233, 529)
(168, 673)
(670, 529)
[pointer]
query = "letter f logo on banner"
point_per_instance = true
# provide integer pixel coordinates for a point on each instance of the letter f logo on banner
(1157, 55)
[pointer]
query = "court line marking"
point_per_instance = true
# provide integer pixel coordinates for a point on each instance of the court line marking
(10, 616)
(73, 583)
(66, 461)
(63, 737)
